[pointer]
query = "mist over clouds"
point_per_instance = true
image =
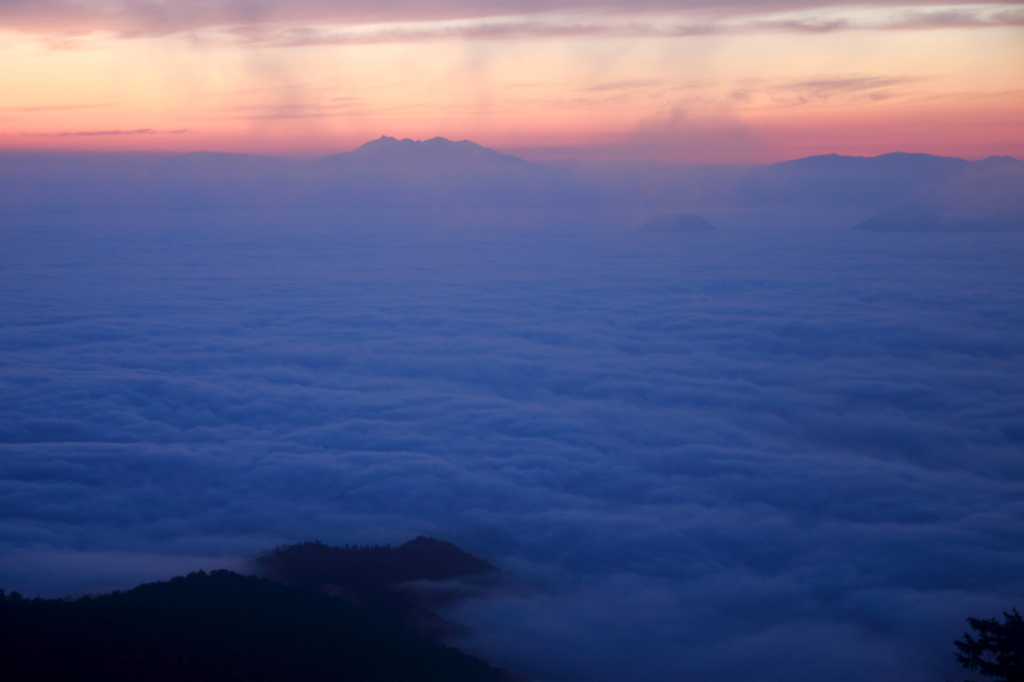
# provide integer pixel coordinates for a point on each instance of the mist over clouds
(442, 173)
(788, 454)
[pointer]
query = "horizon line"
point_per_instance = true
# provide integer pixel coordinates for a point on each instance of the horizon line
(565, 158)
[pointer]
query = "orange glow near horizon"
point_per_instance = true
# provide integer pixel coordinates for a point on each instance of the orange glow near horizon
(721, 97)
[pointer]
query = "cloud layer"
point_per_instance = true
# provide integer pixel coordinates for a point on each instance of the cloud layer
(774, 455)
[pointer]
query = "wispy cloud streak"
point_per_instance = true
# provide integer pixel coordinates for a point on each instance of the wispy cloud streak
(288, 23)
(97, 133)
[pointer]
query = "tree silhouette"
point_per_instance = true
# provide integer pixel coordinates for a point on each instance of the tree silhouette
(998, 651)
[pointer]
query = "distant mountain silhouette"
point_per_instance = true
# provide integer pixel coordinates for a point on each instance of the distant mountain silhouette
(438, 151)
(219, 627)
(676, 222)
(921, 219)
(435, 173)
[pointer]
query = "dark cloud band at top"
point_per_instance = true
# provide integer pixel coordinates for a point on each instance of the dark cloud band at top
(135, 18)
(596, 26)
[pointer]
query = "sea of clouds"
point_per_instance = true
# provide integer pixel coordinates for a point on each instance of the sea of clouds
(784, 455)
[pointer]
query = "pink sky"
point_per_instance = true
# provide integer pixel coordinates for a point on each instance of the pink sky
(741, 82)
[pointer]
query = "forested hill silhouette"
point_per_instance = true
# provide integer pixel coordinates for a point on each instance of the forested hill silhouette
(221, 627)
(314, 565)
(378, 577)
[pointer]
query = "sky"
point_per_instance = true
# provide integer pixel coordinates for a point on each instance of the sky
(770, 454)
(740, 82)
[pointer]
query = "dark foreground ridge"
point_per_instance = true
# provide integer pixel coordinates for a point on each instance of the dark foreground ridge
(221, 626)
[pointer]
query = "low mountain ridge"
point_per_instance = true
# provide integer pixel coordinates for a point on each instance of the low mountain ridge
(676, 222)
(834, 180)
(921, 219)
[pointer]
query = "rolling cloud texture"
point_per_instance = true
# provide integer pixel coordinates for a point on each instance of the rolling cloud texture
(726, 455)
